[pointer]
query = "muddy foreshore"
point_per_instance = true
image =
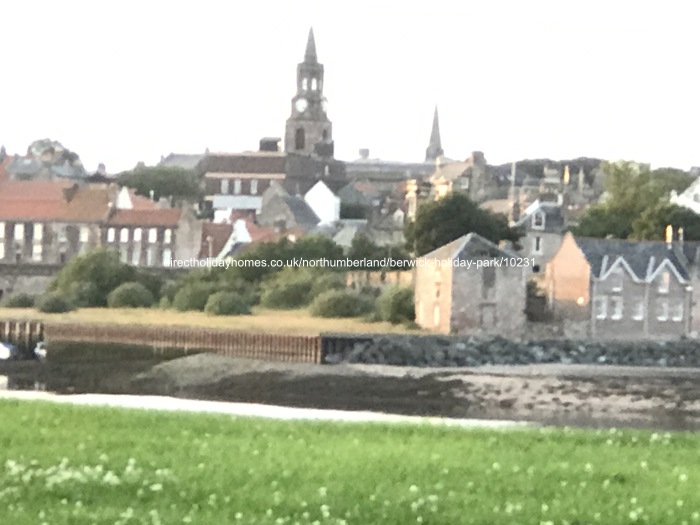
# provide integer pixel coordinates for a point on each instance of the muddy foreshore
(573, 395)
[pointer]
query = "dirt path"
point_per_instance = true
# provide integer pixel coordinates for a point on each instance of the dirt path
(574, 395)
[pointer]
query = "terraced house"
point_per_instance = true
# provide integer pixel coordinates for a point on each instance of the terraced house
(626, 289)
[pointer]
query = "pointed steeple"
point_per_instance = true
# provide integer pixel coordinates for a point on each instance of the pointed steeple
(310, 53)
(434, 150)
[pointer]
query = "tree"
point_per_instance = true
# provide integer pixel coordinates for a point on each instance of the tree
(632, 190)
(88, 279)
(651, 224)
(440, 222)
(164, 181)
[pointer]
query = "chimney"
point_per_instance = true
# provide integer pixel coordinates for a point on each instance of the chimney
(669, 236)
(69, 193)
(163, 203)
(152, 194)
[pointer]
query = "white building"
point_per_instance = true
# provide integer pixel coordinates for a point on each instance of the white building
(324, 203)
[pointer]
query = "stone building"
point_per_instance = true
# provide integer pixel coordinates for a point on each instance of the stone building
(625, 289)
(468, 286)
(309, 130)
(543, 226)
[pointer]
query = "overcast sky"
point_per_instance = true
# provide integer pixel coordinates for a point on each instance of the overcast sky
(124, 81)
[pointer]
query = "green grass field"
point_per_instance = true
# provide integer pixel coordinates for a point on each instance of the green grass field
(78, 465)
(294, 322)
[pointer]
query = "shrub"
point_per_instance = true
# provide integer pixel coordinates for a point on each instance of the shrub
(291, 288)
(130, 295)
(327, 281)
(341, 303)
(54, 303)
(84, 294)
(395, 304)
(153, 282)
(194, 296)
(21, 300)
(227, 303)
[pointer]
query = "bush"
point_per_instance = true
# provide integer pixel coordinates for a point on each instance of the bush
(291, 288)
(54, 303)
(153, 282)
(130, 295)
(21, 300)
(227, 303)
(395, 305)
(328, 281)
(341, 303)
(84, 294)
(194, 296)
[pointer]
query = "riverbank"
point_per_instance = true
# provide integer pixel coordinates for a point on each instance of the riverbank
(68, 464)
(574, 395)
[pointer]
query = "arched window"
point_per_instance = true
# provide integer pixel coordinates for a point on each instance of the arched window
(325, 134)
(314, 84)
(299, 139)
(305, 84)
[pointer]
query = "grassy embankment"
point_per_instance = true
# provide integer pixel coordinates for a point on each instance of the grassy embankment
(78, 465)
(295, 322)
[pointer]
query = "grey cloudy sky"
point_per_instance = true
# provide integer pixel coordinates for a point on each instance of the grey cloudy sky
(124, 81)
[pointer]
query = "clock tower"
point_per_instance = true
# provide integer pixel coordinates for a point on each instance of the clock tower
(309, 131)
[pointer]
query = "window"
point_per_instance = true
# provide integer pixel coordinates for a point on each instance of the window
(254, 187)
(150, 256)
(124, 253)
(678, 312)
(2, 250)
(137, 235)
(616, 307)
(152, 235)
(19, 232)
(436, 315)
(136, 256)
(601, 307)
(538, 220)
(36, 252)
(84, 234)
(168, 236)
(638, 311)
(110, 235)
(314, 84)
(616, 278)
(38, 232)
(224, 186)
(305, 84)
(124, 235)
(662, 311)
(62, 236)
(537, 245)
(665, 282)
(167, 255)
(2, 230)
(299, 139)
(237, 186)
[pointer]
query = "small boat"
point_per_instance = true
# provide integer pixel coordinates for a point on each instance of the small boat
(7, 351)
(40, 350)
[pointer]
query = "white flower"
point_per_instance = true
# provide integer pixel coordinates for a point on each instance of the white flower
(323, 491)
(683, 478)
(413, 489)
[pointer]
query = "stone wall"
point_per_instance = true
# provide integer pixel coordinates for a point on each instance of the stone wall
(446, 351)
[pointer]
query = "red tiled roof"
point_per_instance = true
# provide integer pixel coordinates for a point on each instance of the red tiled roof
(139, 202)
(168, 217)
(46, 201)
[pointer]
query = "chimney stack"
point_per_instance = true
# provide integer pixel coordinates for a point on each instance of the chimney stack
(669, 236)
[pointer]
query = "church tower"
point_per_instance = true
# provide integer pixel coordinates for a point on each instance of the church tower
(434, 150)
(309, 131)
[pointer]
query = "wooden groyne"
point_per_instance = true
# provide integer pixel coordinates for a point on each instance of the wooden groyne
(22, 333)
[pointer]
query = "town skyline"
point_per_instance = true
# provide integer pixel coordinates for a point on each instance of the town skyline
(530, 82)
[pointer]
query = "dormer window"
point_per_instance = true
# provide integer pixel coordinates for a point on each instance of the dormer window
(538, 220)
(665, 282)
(616, 279)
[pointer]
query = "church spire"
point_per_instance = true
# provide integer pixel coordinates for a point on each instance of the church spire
(434, 150)
(310, 53)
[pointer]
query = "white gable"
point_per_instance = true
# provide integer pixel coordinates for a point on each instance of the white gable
(324, 203)
(124, 199)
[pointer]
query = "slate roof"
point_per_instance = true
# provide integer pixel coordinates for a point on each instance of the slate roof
(469, 247)
(642, 257)
(553, 213)
(302, 212)
(24, 166)
(250, 162)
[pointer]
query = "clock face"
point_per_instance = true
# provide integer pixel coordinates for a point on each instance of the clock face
(301, 105)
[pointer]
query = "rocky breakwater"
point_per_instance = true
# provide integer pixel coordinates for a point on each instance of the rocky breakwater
(449, 351)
